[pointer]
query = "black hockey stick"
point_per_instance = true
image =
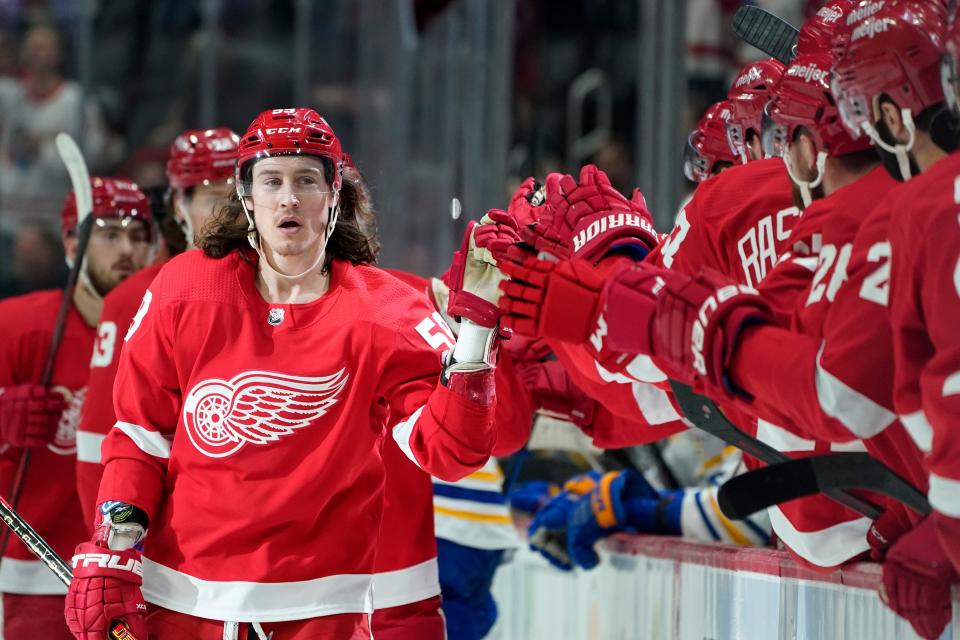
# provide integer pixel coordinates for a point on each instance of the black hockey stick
(80, 180)
(746, 494)
(765, 31)
(39, 547)
(705, 415)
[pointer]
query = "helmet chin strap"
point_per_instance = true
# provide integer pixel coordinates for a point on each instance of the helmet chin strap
(901, 151)
(804, 186)
(254, 238)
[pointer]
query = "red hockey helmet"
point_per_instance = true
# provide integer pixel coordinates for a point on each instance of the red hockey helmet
(202, 156)
(707, 144)
(280, 132)
(816, 34)
(803, 99)
(892, 48)
(749, 94)
(112, 198)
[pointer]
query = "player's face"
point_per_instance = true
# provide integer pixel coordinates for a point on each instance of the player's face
(117, 249)
(291, 201)
(204, 201)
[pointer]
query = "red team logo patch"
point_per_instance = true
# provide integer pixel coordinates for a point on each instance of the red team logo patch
(256, 407)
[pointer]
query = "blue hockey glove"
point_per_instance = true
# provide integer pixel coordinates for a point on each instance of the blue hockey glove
(620, 499)
(547, 533)
(532, 496)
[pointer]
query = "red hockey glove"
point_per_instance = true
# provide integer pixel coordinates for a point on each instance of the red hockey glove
(105, 587)
(917, 576)
(887, 529)
(473, 277)
(592, 218)
(691, 323)
(525, 351)
(525, 204)
(557, 300)
(29, 414)
(556, 395)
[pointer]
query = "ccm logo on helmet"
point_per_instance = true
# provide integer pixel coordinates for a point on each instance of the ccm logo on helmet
(108, 561)
(612, 221)
(273, 130)
(703, 319)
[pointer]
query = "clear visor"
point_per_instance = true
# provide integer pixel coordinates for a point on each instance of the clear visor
(948, 78)
(268, 181)
(773, 137)
(696, 167)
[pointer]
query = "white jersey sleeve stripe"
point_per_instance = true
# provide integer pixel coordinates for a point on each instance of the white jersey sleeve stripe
(827, 547)
(919, 429)
(88, 446)
(642, 369)
(150, 442)
(655, 404)
(858, 413)
(781, 439)
(402, 433)
(944, 495)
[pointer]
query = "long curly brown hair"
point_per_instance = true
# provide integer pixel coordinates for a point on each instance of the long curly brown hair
(354, 238)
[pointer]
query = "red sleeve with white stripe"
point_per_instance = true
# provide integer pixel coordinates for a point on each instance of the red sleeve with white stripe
(925, 308)
(147, 403)
(641, 412)
(446, 433)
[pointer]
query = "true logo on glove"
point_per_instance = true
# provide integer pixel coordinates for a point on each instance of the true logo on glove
(108, 561)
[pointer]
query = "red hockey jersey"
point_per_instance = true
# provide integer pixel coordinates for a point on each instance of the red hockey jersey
(49, 498)
(251, 432)
(924, 312)
(98, 417)
(822, 390)
(738, 223)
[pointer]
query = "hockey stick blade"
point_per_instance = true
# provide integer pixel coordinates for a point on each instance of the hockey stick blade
(39, 547)
(765, 31)
(746, 494)
(705, 415)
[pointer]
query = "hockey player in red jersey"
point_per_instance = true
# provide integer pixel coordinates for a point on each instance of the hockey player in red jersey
(924, 296)
(258, 381)
(708, 151)
(748, 95)
(830, 390)
(200, 174)
(45, 419)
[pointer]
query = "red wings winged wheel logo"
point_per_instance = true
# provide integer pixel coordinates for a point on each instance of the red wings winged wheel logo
(256, 407)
